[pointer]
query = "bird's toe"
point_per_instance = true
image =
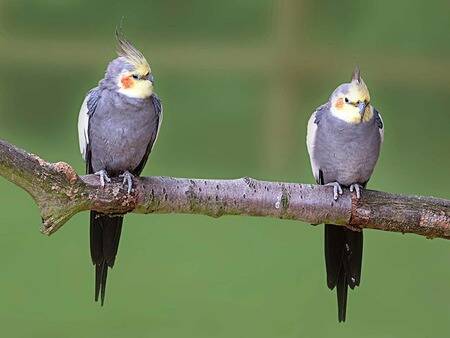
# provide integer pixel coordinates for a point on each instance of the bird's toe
(103, 176)
(337, 189)
(357, 188)
(127, 181)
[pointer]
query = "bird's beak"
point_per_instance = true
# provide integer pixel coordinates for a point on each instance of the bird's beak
(151, 79)
(362, 109)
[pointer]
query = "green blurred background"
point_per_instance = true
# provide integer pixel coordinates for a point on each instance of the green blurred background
(239, 80)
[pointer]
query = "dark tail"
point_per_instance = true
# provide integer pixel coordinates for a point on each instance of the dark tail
(105, 236)
(343, 259)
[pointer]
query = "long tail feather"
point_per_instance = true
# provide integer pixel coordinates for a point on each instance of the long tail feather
(341, 292)
(105, 236)
(343, 260)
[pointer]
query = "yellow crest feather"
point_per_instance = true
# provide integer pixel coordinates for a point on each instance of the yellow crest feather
(131, 54)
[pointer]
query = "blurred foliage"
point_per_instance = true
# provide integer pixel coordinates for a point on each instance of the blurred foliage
(239, 80)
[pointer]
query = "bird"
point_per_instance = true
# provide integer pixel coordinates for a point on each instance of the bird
(344, 138)
(118, 125)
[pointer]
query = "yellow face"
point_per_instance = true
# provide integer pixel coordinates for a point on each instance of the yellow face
(136, 84)
(354, 106)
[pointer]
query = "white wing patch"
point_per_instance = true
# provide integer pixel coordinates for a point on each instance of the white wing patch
(310, 141)
(381, 130)
(83, 126)
(159, 127)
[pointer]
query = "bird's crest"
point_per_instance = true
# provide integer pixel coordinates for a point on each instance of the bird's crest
(358, 86)
(131, 54)
(356, 75)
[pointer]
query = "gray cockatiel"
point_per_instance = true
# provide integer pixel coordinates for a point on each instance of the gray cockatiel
(344, 139)
(118, 125)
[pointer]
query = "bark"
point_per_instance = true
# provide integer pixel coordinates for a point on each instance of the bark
(60, 193)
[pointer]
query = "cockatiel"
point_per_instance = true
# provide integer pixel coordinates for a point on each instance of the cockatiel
(118, 125)
(344, 139)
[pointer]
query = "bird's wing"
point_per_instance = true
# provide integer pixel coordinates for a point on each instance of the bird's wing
(157, 106)
(380, 124)
(313, 124)
(86, 111)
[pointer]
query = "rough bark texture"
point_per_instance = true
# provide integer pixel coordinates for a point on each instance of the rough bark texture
(60, 193)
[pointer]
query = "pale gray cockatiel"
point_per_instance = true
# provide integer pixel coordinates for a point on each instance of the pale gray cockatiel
(117, 125)
(344, 139)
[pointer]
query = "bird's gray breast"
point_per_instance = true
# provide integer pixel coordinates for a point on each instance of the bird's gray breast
(120, 131)
(346, 153)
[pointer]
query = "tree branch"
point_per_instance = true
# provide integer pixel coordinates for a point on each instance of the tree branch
(60, 193)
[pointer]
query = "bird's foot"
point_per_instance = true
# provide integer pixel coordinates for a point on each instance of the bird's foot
(337, 190)
(357, 188)
(127, 180)
(103, 177)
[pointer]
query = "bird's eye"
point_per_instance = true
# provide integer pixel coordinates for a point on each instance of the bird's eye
(135, 76)
(346, 99)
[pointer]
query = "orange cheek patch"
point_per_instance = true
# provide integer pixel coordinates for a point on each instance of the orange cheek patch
(339, 103)
(127, 82)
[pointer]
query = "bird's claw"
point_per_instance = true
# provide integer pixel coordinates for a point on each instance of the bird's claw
(103, 177)
(337, 190)
(355, 187)
(127, 180)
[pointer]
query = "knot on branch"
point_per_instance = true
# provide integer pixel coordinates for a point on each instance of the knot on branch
(66, 170)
